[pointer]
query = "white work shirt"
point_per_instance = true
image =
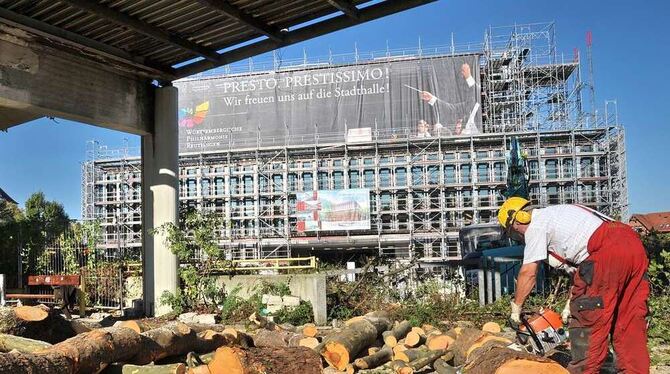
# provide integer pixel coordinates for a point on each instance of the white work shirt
(562, 229)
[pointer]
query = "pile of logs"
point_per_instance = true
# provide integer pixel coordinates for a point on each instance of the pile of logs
(367, 344)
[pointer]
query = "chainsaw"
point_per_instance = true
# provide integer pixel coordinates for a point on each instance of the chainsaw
(540, 332)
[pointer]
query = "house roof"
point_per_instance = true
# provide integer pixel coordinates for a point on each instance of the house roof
(659, 221)
(5, 197)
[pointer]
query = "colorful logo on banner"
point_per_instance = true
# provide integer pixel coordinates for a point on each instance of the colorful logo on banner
(188, 117)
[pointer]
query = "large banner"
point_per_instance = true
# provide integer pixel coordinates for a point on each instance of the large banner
(333, 210)
(422, 97)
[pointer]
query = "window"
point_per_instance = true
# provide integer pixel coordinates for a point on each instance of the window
(551, 169)
(534, 169)
(354, 179)
(498, 171)
(483, 196)
(465, 174)
(586, 166)
(401, 177)
(277, 182)
(338, 180)
(323, 180)
(449, 174)
(433, 175)
(248, 184)
(552, 195)
(482, 173)
(385, 178)
(369, 178)
(417, 176)
(307, 182)
(218, 186)
(568, 169)
(292, 182)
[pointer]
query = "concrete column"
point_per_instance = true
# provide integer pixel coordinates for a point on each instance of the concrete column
(160, 187)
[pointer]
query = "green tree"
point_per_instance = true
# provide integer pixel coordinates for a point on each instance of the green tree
(44, 220)
(11, 221)
(195, 242)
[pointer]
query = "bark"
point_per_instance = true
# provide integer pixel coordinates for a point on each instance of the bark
(176, 339)
(427, 358)
(342, 348)
(276, 338)
(35, 322)
(23, 345)
(398, 332)
(85, 353)
(374, 360)
(178, 368)
(239, 338)
(411, 354)
(262, 322)
(267, 360)
(502, 360)
(139, 326)
(442, 367)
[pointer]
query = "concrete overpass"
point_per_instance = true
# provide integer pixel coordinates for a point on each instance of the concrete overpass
(111, 64)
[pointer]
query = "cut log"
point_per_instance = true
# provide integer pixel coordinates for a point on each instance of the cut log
(310, 330)
(439, 342)
(175, 339)
(178, 368)
(342, 348)
(399, 348)
(442, 367)
(372, 361)
(139, 326)
(415, 338)
(373, 350)
(397, 366)
(23, 345)
(309, 342)
(491, 327)
(267, 360)
(398, 332)
(262, 321)
(274, 338)
(89, 352)
(239, 338)
(35, 322)
(411, 354)
(502, 360)
(425, 359)
(465, 339)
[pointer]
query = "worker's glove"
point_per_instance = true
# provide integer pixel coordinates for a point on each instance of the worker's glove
(515, 316)
(565, 314)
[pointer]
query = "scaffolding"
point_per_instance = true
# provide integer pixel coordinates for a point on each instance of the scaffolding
(422, 190)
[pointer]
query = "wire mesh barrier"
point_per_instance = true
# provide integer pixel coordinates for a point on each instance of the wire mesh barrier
(75, 252)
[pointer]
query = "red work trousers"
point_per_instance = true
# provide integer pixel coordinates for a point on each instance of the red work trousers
(609, 296)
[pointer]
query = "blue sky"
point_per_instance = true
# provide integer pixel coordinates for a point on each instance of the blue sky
(630, 50)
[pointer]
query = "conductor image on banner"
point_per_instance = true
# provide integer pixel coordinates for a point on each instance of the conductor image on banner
(460, 111)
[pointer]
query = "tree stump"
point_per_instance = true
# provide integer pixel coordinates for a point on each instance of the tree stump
(267, 360)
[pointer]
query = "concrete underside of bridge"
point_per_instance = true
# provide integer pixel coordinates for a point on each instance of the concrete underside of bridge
(41, 78)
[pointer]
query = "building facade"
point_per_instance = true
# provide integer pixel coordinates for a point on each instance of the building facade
(422, 189)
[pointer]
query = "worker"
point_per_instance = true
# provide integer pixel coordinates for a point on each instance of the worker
(609, 285)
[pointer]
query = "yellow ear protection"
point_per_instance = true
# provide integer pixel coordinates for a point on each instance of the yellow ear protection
(520, 216)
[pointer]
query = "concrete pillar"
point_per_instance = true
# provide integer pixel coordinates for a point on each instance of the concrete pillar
(160, 187)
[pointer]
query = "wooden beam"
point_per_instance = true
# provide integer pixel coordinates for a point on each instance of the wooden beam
(346, 7)
(314, 30)
(230, 11)
(144, 28)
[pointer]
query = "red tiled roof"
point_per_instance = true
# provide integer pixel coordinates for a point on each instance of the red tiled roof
(659, 221)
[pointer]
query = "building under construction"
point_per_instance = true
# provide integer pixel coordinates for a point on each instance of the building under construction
(422, 190)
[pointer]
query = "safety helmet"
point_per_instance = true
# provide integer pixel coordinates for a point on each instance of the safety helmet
(512, 210)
